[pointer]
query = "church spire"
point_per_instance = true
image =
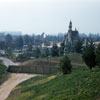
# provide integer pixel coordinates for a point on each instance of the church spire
(70, 25)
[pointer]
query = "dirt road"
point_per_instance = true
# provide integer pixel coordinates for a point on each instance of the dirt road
(7, 62)
(12, 81)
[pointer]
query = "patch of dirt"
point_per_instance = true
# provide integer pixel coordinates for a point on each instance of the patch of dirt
(13, 80)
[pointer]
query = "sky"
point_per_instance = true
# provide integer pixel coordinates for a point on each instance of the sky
(49, 16)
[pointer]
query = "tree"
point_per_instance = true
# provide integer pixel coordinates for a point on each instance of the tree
(78, 46)
(8, 41)
(27, 39)
(89, 55)
(46, 53)
(65, 65)
(2, 45)
(37, 52)
(54, 51)
(98, 55)
(8, 44)
(61, 49)
(19, 42)
(22, 57)
(29, 48)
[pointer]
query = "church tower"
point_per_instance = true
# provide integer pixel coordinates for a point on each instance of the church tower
(70, 31)
(70, 26)
(71, 39)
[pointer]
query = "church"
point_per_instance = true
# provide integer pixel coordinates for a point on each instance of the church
(70, 39)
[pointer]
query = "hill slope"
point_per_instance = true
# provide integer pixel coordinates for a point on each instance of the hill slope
(82, 84)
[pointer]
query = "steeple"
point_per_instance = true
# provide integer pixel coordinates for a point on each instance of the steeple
(70, 25)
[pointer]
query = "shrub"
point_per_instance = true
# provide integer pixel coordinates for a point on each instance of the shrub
(65, 65)
(2, 70)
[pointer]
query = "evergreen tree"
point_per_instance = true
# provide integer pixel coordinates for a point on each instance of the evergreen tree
(47, 53)
(61, 49)
(19, 42)
(89, 55)
(78, 46)
(8, 41)
(37, 52)
(54, 51)
(26, 39)
(98, 55)
(2, 45)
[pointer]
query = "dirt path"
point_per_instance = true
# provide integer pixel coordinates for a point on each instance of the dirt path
(7, 62)
(12, 81)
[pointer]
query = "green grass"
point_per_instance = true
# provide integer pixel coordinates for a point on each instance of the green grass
(2, 71)
(75, 58)
(82, 84)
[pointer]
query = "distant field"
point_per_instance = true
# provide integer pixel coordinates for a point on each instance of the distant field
(82, 84)
(75, 58)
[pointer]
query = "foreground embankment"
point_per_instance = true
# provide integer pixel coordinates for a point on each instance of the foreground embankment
(81, 84)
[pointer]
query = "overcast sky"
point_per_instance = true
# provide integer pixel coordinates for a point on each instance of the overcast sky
(49, 16)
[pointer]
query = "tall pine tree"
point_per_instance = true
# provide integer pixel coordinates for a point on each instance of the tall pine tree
(89, 55)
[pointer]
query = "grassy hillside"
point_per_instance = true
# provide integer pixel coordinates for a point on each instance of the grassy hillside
(2, 71)
(82, 84)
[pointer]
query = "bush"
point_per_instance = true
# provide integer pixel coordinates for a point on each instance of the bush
(2, 70)
(65, 65)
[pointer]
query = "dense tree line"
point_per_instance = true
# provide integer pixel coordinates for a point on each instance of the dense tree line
(17, 42)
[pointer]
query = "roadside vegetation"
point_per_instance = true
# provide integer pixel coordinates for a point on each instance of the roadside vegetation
(2, 71)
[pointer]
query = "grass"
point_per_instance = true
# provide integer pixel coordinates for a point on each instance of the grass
(75, 58)
(82, 84)
(42, 62)
(2, 71)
